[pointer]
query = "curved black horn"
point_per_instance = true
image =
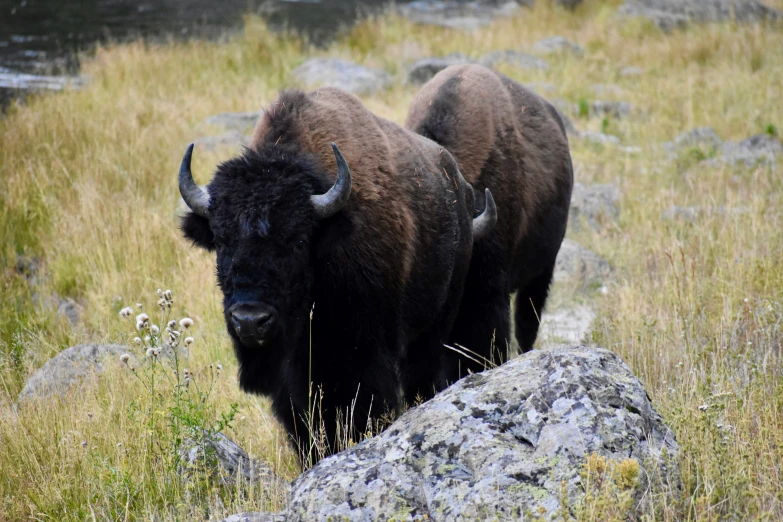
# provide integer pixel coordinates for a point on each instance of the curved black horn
(483, 224)
(330, 203)
(195, 197)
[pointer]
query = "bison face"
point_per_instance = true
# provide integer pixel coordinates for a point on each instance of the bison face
(262, 214)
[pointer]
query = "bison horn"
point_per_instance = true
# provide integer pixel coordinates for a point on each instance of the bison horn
(483, 224)
(332, 202)
(194, 196)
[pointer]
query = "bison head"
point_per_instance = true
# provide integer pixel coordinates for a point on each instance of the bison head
(262, 214)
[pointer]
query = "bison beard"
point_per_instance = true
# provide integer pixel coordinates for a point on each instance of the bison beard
(381, 271)
(507, 139)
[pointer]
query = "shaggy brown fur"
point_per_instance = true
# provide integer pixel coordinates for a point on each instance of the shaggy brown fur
(509, 139)
(385, 272)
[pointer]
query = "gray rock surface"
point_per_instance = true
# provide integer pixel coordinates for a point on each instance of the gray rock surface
(567, 324)
(516, 58)
(508, 443)
(343, 74)
(614, 109)
(556, 44)
(670, 14)
(243, 122)
(569, 4)
(255, 517)
(70, 309)
(461, 15)
(70, 367)
(221, 458)
(232, 139)
(593, 204)
(423, 70)
(578, 264)
(760, 148)
(600, 138)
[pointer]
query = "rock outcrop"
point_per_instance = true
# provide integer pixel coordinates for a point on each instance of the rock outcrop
(671, 14)
(349, 76)
(593, 205)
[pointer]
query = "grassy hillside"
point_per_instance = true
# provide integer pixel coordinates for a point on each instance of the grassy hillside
(87, 185)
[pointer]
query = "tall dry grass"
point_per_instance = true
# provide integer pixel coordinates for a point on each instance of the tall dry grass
(87, 184)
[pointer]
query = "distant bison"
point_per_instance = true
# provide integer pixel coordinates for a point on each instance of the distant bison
(344, 279)
(511, 141)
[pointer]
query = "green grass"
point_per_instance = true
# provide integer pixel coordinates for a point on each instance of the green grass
(87, 184)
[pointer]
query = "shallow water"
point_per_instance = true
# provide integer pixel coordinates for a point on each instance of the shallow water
(40, 39)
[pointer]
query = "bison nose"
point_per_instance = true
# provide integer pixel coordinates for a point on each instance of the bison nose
(252, 320)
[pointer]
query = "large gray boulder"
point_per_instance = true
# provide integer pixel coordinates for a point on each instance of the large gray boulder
(760, 148)
(461, 15)
(334, 72)
(670, 14)
(556, 44)
(70, 367)
(508, 443)
(593, 205)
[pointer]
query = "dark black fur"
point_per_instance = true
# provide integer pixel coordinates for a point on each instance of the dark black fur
(375, 338)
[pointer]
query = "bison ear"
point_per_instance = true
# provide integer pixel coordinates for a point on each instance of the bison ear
(197, 229)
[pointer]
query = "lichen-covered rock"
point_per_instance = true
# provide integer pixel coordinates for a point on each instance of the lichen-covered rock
(507, 443)
(760, 148)
(569, 324)
(594, 205)
(221, 458)
(577, 264)
(615, 109)
(465, 16)
(242, 122)
(423, 70)
(555, 44)
(348, 76)
(670, 14)
(599, 137)
(255, 517)
(70, 367)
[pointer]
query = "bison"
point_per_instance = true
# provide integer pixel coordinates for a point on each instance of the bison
(511, 141)
(341, 276)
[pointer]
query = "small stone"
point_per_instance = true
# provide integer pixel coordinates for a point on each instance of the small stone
(69, 309)
(600, 137)
(578, 264)
(69, 368)
(557, 44)
(593, 204)
(699, 136)
(349, 76)
(615, 109)
(242, 122)
(423, 70)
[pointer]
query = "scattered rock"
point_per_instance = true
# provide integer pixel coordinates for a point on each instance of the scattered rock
(557, 44)
(28, 268)
(506, 443)
(569, 4)
(631, 71)
(600, 137)
(569, 325)
(233, 139)
(521, 60)
(34, 82)
(255, 517)
(614, 109)
(221, 458)
(242, 122)
(70, 367)
(578, 264)
(423, 70)
(346, 75)
(760, 148)
(70, 309)
(593, 204)
(670, 14)
(607, 89)
(466, 16)
(699, 136)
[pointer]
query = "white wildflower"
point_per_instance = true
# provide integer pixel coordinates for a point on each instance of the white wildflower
(219, 367)
(188, 341)
(167, 295)
(155, 352)
(140, 326)
(125, 358)
(159, 292)
(185, 372)
(126, 312)
(137, 340)
(154, 330)
(186, 323)
(150, 352)
(746, 299)
(84, 444)
(142, 318)
(172, 323)
(139, 306)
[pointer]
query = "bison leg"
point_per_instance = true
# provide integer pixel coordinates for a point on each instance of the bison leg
(530, 303)
(482, 326)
